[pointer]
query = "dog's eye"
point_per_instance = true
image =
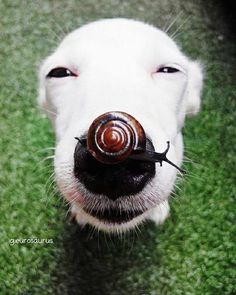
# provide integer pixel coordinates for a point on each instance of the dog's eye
(60, 73)
(167, 70)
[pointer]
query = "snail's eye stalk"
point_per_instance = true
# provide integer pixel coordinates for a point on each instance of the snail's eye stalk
(82, 141)
(152, 156)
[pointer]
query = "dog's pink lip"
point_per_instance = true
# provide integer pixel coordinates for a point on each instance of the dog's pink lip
(74, 196)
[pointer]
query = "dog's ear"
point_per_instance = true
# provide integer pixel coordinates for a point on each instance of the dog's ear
(194, 88)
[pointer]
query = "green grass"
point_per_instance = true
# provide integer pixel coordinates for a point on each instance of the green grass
(193, 252)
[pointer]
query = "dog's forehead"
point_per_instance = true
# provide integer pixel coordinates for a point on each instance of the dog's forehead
(118, 35)
(118, 31)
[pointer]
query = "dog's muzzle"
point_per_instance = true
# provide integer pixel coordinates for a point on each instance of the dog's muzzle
(115, 158)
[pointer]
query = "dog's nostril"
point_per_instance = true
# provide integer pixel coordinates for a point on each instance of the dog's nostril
(113, 136)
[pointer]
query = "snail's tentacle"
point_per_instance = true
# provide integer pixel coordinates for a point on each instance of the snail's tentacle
(153, 156)
(81, 142)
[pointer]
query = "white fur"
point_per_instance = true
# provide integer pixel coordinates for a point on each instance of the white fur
(117, 61)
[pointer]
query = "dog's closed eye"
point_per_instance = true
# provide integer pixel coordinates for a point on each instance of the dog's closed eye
(60, 72)
(167, 70)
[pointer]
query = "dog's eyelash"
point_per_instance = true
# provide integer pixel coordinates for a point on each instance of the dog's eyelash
(167, 70)
(60, 73)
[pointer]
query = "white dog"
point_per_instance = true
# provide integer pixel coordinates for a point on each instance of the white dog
(118, 65)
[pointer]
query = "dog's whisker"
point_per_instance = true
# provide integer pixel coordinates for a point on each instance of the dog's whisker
(43, 166)
(47, 110)
(193, 163)
(173, 22)
(62, 31)
(50, 182)
(51, 148)
(38, 170)
(176, 185)
(68, 211)
(74, 197)
(91, 234)
(190, 113)
(189, 160)
(132, 239)
(176, 195)
(195, 176)
(190, 153)
(46, 158)
(175, 199)
(137, 230)
(179, 181)
(55, 38)
(167, 23)
(176, 190)
(173, 35)
(50, 195)
(50, 188)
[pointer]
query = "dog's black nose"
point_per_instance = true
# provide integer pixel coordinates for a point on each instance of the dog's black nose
(113, 180)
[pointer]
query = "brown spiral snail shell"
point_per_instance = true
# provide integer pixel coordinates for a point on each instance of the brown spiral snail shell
(113, 136)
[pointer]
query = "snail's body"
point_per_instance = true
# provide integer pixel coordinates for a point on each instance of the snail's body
(123, 66)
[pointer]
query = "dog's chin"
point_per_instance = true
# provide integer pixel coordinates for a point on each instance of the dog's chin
(118, 216)
(108, 215)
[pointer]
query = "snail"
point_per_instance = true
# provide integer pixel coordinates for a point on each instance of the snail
(114, 137)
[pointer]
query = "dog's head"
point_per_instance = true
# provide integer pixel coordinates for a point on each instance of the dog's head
(117, 65)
